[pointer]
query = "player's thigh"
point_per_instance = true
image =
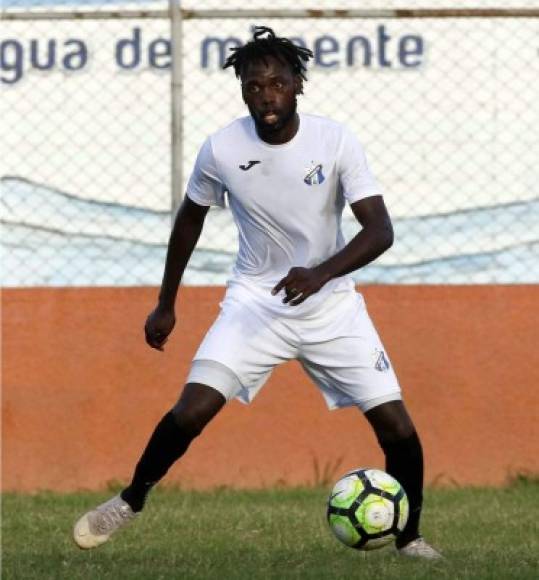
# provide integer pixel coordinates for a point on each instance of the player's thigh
(241, 349)
(350, 365)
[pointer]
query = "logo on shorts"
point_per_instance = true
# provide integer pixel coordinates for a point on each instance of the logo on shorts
(381, 364)
(314, 175)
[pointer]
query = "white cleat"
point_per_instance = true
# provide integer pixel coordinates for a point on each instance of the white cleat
(419, 549)
(96, 526)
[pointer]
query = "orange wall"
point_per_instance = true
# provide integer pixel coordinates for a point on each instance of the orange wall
(82, 392)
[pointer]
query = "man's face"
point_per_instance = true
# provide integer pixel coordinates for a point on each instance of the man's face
(269, 90)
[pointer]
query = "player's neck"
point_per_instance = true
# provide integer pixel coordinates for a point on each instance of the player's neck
(286, 133)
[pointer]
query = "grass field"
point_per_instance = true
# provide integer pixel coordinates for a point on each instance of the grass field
(273, 534)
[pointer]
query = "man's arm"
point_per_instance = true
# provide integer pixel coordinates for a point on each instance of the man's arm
(372, 241)
(183, 239)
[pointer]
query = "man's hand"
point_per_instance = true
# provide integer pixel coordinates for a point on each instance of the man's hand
(159, 325)
(300, 283)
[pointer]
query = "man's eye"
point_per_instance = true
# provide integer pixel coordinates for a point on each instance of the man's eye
(278, 85)
(253, 89)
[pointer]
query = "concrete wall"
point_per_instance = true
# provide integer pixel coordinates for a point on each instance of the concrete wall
(82, 392)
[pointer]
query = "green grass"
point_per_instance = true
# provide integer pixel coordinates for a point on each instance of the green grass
(273, 534)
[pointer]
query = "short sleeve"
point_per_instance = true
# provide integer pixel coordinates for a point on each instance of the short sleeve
(356, 180)
(205, 186)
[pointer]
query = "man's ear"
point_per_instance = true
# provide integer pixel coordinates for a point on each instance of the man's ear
(298, 85)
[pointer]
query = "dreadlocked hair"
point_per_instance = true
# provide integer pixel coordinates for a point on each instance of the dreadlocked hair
(262, 46)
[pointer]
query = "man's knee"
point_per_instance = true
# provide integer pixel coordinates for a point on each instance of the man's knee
(395, 432)
(391, 422)
(196, 407)
(190, 421)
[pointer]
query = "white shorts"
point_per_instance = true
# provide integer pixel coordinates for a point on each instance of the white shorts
(330, 334)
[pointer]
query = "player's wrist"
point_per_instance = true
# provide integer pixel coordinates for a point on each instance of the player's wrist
(324, 273)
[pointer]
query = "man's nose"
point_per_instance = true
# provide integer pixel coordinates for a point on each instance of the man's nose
(268, 96)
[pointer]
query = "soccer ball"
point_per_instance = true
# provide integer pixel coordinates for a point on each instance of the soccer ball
(367, 509)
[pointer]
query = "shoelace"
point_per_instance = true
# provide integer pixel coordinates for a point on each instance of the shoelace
(111, 517)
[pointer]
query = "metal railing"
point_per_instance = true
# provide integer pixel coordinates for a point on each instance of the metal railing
(103, 125)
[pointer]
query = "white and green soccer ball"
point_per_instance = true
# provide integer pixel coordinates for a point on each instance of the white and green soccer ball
(367, 509)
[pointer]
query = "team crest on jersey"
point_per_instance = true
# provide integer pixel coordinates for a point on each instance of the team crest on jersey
(381, 364)
(314, 174)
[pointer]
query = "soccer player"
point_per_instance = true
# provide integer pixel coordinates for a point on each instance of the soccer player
(287, 177)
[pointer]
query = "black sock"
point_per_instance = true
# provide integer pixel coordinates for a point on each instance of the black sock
(167, 444)
(404, 461)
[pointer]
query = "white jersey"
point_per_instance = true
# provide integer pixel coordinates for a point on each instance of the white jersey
(287, 200)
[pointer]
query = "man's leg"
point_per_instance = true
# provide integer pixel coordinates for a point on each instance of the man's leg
(404, 461)
(404, 458)
(196, 407)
